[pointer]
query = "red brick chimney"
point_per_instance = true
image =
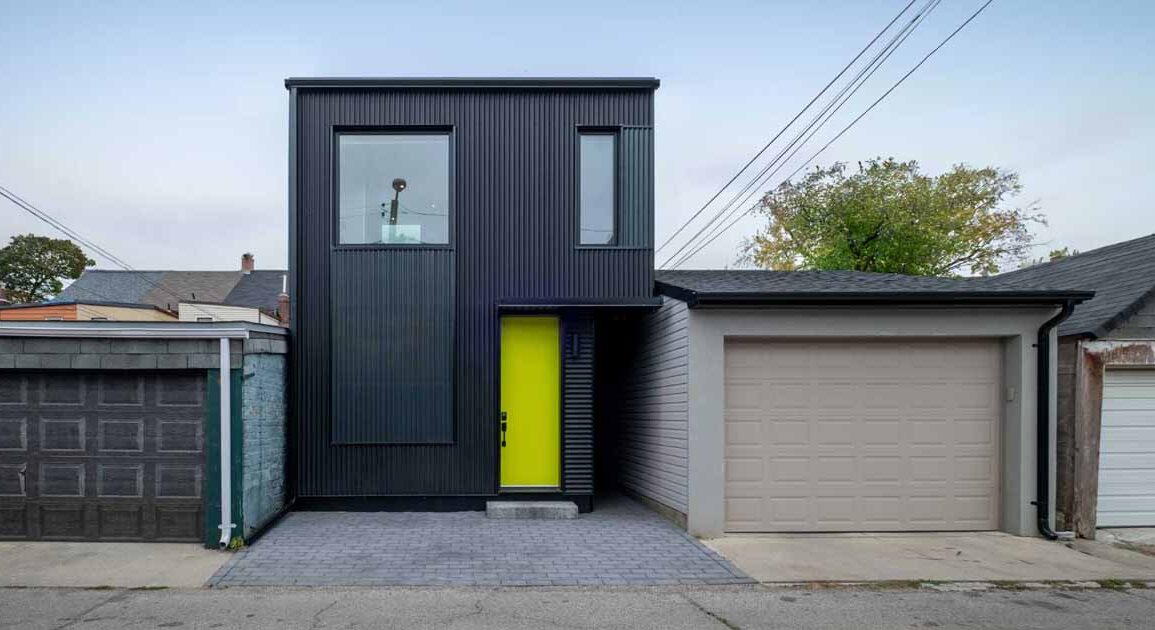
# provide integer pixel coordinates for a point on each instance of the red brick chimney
(283, 302)
(248, 263)
(283, 308)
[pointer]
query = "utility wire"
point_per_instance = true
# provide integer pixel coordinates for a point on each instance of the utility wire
(802, 139)
(816, 123)
(50, 220)
(69, 232)
(783, 130)
(851, 124)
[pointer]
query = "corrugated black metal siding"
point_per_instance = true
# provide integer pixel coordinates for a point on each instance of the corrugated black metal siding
(515, 199)
(636, 187)
(578, 405)
(380, 393)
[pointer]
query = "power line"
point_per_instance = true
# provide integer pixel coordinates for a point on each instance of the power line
(801, 140)
(848, 126)
(787, 126)
(69, 232)
(816, 123)
(52, 221)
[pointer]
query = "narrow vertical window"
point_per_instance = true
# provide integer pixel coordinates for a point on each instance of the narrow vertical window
(598, 212)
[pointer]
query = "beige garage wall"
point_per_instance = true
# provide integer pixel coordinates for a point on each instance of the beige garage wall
(1017, 329)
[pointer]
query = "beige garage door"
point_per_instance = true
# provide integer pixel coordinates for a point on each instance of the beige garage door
(862, 435)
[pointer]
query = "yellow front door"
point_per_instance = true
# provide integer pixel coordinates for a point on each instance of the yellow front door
(530, 403)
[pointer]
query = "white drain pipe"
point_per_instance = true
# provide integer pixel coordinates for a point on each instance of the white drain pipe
(226, 447)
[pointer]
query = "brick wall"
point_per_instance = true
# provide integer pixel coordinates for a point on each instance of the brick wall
(46, 353)
(264, 409)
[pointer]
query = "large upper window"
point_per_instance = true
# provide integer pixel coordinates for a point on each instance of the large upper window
(394, 188)
(598, 153)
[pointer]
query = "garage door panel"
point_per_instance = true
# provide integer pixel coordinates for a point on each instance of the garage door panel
(13, 479)
(1127, 449)
(13, 433)
(13, 390)
(101, 456)
(1126, 460)
(864, 436)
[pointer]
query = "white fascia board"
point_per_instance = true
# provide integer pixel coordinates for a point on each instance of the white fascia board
(165, 331)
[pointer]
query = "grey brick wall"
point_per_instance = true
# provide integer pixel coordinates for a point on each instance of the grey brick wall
(46, 353)
(264, 410)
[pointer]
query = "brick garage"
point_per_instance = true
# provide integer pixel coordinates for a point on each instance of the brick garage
(111, 431)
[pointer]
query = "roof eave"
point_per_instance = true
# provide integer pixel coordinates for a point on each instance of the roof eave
(698, 299)
(536, 83)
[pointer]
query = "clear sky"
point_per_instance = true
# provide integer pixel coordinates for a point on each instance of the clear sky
(158, 129)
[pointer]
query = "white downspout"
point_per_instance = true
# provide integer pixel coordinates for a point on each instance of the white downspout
(226, 447)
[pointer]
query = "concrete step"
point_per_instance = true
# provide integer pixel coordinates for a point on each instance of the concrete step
(531, 509)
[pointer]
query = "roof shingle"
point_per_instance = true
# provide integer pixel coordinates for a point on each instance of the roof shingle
(722, 284)
(1121, 275)
(165, 289)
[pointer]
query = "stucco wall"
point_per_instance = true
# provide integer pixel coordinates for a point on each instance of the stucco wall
(1017, 328)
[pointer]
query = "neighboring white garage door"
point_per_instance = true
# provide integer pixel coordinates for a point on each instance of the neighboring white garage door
(1127, 450)
(862, 435)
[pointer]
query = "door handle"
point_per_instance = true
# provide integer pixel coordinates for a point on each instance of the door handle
(504, 426)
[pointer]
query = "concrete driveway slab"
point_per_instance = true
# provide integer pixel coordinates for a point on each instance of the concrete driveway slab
(121, 565)
(968, 557)
(1141, 539)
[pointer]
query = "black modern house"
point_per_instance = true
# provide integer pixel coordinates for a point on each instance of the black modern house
(454, 243)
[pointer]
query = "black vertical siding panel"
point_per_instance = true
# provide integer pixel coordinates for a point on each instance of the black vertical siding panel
(635, 192)
(578, 405)
(514, 236)
(380, 394)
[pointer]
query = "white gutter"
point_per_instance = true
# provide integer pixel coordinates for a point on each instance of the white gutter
(164, 331)
(226, 447)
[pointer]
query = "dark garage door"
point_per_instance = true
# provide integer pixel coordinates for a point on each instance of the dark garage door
(101, 455)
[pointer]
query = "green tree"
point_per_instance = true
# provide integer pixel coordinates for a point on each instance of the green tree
(32, 267)
(889, 217)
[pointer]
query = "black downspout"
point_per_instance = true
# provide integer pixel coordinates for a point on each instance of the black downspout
(1043, 424)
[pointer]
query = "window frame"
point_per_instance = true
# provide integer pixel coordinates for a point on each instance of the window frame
(615, 133)
(390, 130)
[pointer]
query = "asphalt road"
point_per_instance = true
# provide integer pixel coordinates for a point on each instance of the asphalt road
(668, 609)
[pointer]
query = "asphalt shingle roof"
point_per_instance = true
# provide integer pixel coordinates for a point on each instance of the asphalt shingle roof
(724, 283)
(1121, 275)
(165, 289)
(258, 289)
(128, 287)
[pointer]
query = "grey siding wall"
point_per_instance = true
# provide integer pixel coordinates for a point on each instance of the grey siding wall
(263, 413)
(652, 451)
(1141, 325)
